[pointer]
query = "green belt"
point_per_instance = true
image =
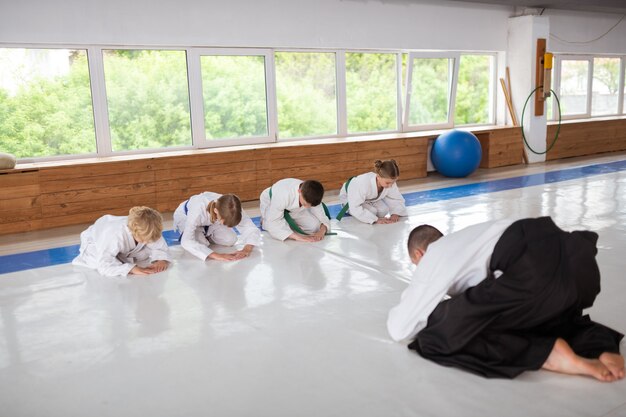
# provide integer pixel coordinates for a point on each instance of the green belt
(294, 226)
(346, 207)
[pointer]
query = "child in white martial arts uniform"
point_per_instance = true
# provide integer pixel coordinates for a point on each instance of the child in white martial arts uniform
(370, 197)
(209, 218)
(518, 290)
(122, 245)
(300, 200)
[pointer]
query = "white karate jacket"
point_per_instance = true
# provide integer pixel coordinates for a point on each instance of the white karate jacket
(285, 196)
(109, 246)
(197, 217)
(363, 189)
(450, 265)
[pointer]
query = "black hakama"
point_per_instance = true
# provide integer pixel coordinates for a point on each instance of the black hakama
(505, 326)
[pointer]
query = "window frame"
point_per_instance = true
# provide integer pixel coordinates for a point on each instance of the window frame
(454, 74)
(339, 92)
(558, 80)
(590, 59)
(398, 70)
(102, 127)
(619, 85)
(196, 97)
(493, 76)
(92, 87)
(107, 146)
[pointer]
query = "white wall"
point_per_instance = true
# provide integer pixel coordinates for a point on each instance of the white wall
(269, 23)
(583, 27)
(523, 34)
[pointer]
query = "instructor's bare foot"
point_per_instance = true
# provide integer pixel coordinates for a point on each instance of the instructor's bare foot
(614, 362)
(563, 359)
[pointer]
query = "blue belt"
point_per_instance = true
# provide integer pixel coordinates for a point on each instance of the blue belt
(206, 228)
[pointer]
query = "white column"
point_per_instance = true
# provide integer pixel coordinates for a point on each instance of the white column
(522, 45)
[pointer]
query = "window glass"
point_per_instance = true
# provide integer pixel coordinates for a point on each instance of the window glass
(371, 92)
(573, 90)
(430, 91)
(234, 92)
(148, 99)
(306, 94)
(473, 94)
(605, 86)
(45, 103)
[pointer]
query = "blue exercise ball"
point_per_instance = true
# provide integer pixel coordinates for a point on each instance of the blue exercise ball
(456, 153)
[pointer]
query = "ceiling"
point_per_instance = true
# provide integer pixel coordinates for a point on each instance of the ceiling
(601, 6)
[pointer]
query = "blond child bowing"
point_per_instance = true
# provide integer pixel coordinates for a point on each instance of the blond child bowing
(123, 245)
(370, 197)
(209, 218)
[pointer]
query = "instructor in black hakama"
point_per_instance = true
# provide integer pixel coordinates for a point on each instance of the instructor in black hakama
(505, 326)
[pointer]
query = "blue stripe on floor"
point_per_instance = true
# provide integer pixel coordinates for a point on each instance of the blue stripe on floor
(56, 256)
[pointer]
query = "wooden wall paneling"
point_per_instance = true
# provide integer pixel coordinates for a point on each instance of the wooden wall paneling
(80, 218)
(97, 205)
(326, 163)
(236, 172)
(73, 193)
(20, 215)
(199, 159)
(410, 154)
(83, 192)
(305, 150)
(390, 153)
(587, 138)
(20, 205)
(501, 147)
(74, 182)
(19, 226)
(484, 139)
(278, 164)
(206, 170)
(172, 198)
(61, 197)
(314, 171)
(98, 169)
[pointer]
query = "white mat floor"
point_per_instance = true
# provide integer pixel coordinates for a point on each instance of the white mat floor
(294, 330)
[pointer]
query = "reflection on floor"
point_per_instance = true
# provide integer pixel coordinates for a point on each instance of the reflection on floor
(294, 330)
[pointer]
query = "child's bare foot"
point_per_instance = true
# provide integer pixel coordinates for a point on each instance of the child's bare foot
(614, 362)
(563, 359)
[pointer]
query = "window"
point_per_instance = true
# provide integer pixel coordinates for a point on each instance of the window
(306, 94)
(590, 86)
(574, 87)
(605, 90)
(371, 92)
(45, 103)
(432, 80)
(474, 104)
(148, 99)
(151, 99)
(234, 96)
